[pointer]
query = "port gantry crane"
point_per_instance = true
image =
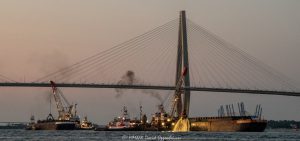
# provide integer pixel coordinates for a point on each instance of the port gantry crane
(66, 111)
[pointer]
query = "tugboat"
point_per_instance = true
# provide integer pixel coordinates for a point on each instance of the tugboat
(86, 125)
(122, 123)
(30, 125)
(161, 120)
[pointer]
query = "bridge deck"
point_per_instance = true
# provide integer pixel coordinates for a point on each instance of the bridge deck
(75, 85)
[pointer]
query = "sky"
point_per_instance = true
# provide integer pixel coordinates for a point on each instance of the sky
(35, 35)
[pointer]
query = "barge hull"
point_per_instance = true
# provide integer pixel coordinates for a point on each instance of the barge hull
(228, 124)
(53, 126)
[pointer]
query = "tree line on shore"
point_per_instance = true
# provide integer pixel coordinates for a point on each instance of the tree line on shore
(289, 124)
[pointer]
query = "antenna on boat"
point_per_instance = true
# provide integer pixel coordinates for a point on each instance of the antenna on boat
(75, 109)
(50, 105)
(141, 111)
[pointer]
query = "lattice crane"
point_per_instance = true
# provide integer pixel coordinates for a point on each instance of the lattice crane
(64, 108)
(177, 102)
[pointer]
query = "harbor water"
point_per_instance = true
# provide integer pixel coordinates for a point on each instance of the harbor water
(86, 135)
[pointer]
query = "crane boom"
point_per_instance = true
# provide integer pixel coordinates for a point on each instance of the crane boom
(63, 107)
(177, 102)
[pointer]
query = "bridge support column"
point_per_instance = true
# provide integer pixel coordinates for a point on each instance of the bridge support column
(184, 43)
(183, 62)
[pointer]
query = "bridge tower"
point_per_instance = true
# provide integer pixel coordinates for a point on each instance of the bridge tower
(183, 62)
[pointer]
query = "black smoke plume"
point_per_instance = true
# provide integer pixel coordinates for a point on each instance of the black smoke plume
(129, 78)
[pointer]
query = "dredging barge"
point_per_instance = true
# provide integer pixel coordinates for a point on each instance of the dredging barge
(228, 124)
(228, 121)
(51, 124)
(67, 116)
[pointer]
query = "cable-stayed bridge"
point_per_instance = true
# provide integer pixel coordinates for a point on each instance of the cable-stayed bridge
(155, 60)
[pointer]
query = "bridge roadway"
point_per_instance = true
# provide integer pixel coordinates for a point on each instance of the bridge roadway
(76, 85)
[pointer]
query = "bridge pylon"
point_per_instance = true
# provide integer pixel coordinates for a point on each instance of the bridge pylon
(183, 63)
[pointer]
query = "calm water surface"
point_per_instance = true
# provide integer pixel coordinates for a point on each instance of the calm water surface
(270, 135)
